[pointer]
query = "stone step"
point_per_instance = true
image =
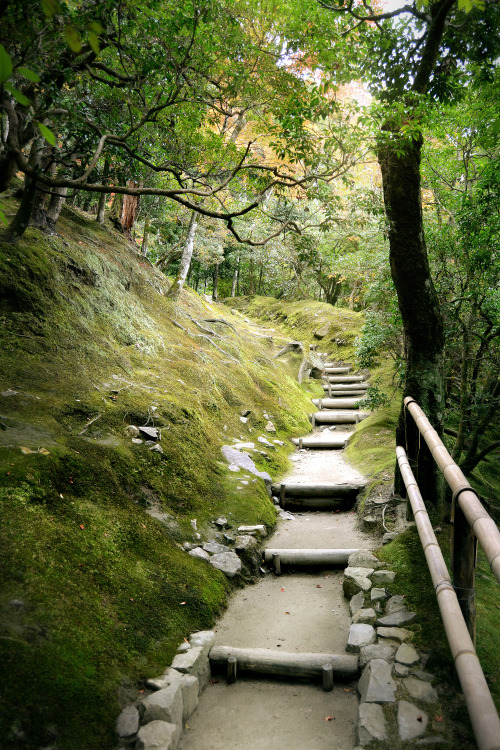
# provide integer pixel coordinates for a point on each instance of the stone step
(336, 403)
(310, 557)
(323, 441)
(283, 664)
(330, 416)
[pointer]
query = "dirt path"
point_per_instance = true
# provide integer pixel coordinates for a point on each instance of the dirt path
(296, 612)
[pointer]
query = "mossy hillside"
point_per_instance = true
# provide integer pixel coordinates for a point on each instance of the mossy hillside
(87, 334)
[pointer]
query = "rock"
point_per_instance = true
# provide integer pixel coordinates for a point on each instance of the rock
(356, 579)
(245, 542)
(156, 448)
(389, 536)
(363, 558)
(431, 742)
(265, 442)
(395, 604)
(227, 562)
(407, 655)
(244, 446)
(421, 675)
(242, 460)
(152, 433)
(420, 690)
(244, 420)
(365, 616)
(400, 671)
(228, 538)
(322, 331)
(370, 522)
(286, 515)
(203, 638)
(259, 530)
(183, 647)
(17, 604)
(189, 685)
(397, 634)
(132, 430)
(412, 721)
(357, 602)
(157, 735)
(382, 577)
(371, 724)
(270, 427)
(221, 522)
(164, 705)
(127, 723)
(376, 651)
(278, 442)
(137, 441)
(397, 619)
(149, 443)
(359, 636)
(376, 684)
(214, 548)
(378, 595)
(246, 412)
(200, 553)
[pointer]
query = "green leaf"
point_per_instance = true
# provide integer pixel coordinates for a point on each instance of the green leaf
(50, 8)
(72, 39)
(3, 218)
(47, 133)
(94, 42)
(5, 65)
(96, 26)
(29, 74)
(18, 96)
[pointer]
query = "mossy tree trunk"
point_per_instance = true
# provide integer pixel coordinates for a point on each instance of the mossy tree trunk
(399, 160)
(103, 196)
(31, 195)
(187, 254)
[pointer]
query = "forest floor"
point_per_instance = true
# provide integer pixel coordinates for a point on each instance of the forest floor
(299, 612)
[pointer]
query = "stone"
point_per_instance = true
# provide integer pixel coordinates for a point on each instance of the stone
(370, 523)
(322, 331)
(356, 579)
(270, 427)
(278, 442)
(365, 616)
(152, 433)
(356, 602)
(397, 619)
(412, 721)
(199, 552)
(149, 443)
(397, 634)
(227, 562)
(245, 542)
(376, 684)
(407, 655)
(137, 441)
(376, 651)
(156, 448)
(383, 577)
(244, 420)
(189, 685)
(420, 690)
(421, 675)
(371, 724)
(265, 442)
(259, 530)
(431, 741)
(203, 638)
(221, 522)
(132, 431)
(183, 647)
(157, 735)
(244, 446)
(363, 559)
(286, 515)
(242, 460)
(214, 548)
(191, 662)
(395, 604)
(164, 705)
(359, 636)
(127, 723)
(378, 595)
(389, 536)
(400, 671)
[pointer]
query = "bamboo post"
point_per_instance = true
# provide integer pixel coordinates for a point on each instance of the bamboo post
(232, 668)
(277, 564)
(313, 420)
(327, 673)
(301, 443)
(463, 561)
(320, 404)
(282, 495)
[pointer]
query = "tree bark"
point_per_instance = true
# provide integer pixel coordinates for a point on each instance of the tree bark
(235, 278)
(399, 161)
(55, 207)
(187, 254)
(103, 196)
(145, 237)
(215, 292)
(21, 220)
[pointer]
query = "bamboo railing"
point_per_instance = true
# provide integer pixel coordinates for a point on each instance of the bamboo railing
(480, 705)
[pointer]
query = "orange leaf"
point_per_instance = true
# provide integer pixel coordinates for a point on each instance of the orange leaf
(438, 718)
(287, 613)
(319, 586)
(328, 718)
(82, 526)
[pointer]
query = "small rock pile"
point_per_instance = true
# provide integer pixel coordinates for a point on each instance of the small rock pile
(397, 699)
(156, 721)
(245, 556)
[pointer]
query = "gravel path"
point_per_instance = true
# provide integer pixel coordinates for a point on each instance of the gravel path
(296, 612)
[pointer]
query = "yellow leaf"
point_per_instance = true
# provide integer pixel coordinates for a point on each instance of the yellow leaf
(26, 450)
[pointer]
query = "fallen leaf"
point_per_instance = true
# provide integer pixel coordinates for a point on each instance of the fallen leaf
(131, 600)
(44, 451)
(282, 589)
(183, 602)
(347, 690)
(319, 586)
(143, 525)
(287, 613)
(213, 682)
(438, 718)
(26, 450)
(141, 691)
(82, 526)
(328, 718)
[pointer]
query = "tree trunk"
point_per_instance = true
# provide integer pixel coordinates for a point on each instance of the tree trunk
(21, 220)
(130, 207)
(187, 254)
(251, 289)
(55, 207)
(215, 292)
(235, 278)
(102, 198)
(145, 236)
(399, 161)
